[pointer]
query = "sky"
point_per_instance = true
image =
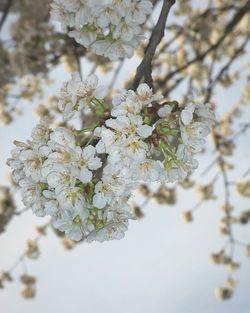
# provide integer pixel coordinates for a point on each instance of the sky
(162, 265)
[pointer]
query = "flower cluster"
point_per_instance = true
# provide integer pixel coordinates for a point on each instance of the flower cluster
(84, 178)
(111, 28)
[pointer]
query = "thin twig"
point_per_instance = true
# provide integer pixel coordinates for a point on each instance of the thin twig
(246, 173)
(228, 29)
(209, 167)
(116, 73)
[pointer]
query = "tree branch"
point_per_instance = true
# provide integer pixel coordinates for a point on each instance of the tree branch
(145, 68)
(5, 13)
(229, 28)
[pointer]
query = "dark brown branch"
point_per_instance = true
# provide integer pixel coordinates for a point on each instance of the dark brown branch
(145, 68)
(5, 12)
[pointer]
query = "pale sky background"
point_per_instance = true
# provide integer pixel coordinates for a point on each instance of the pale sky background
(162, 265)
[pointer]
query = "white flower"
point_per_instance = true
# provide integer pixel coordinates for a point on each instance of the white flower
(51, 206)
(110, 189)
(139, 11)
(193, 135)
(109, 139)
(145, 94)
(116, 49)
(82, 16)
(125, 31)
(62, 137)
(108, 15)
(91, 89)
(125, 103)
(71, 199)
(32, 196)
(60, 179)
(131, 124)
(72, 224)
(64, 155)
(40, 133)
(146, 171)
(85, 162)
(184, 154)
(115, 229)
(104, 194)
(77, 94)
(15, 163)
(129, 102)
(205, 112)
(135, 148)
(32, 163)
(122, 96)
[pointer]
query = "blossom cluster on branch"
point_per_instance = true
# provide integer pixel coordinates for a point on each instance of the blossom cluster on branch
(111, 28)
(205, 50)
(84, 178)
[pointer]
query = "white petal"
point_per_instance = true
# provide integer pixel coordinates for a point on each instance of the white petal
(145, 131)
(44, 151)
(88, 152)
(100, 147)
(186, 117)
(51, 207)
(48, 194)
(144, 90)
(74, 234)
(85, 175)
(99, 200)
(95, 163)
(164, 111)
(97, 132)
(54, 179)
